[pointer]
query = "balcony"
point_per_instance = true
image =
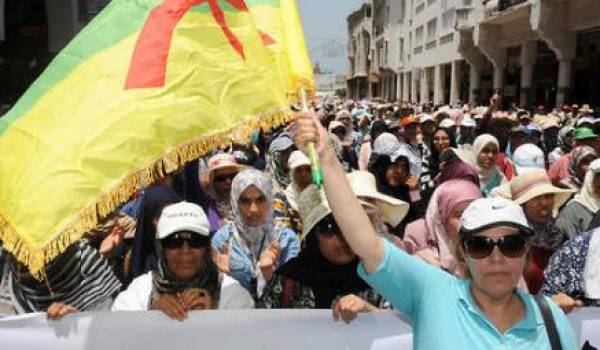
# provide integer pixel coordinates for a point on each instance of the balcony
(505, 4)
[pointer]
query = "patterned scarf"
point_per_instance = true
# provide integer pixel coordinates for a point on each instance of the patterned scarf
(79, 277)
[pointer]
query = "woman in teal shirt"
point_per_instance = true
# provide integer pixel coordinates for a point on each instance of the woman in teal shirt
(485, 310)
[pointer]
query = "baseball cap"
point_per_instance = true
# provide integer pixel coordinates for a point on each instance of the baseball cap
(182, 216)
(584, 133)
(408, 121)
(585, 120)
(468, 122)
(447, 123)
(297, 159)
(424, 118)
(528, 157)
(486, 213)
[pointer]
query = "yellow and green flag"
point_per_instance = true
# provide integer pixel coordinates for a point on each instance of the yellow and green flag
(147, 86)
(281, 28)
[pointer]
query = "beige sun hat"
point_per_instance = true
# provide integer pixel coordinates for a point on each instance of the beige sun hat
(222, 161)
(392, 210)
(313, 207)
(536, 183)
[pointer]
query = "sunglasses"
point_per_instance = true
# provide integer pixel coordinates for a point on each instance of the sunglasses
(194, 240)
(221, 178)
(479, 247)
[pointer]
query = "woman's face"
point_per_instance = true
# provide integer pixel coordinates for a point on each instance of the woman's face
(441, 140)
(253, 207)
(452, 224)
(222, 179)
(583, 165)
(334, 248)
(397, 173)
(285, 156)
(496, 275)
(487, 157)
(185, 256)
(539, 209)
(302, 176)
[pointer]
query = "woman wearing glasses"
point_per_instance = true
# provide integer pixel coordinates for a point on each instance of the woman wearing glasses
(484, 310)
(186, 278)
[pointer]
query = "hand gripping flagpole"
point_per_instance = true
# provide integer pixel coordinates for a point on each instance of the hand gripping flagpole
(315, 166)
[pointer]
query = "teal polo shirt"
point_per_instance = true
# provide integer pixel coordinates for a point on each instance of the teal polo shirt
(445, 315)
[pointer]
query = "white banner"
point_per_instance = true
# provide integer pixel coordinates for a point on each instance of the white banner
(219, 330)
(239, 330)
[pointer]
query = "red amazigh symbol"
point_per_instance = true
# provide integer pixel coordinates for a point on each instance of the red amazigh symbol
(149, 62)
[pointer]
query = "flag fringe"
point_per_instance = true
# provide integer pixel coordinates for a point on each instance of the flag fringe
(90, 216)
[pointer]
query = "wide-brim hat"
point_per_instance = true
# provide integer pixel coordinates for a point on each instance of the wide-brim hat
(535, 183)
(222, 161)
(392, 210)
(313, 207)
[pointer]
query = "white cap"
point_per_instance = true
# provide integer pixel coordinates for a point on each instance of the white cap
(182, 216)
(423, 118)
(468, 122)
(534, 127)
(297, 159)
(584, 120)
(447, 123)
(486, 213)
(528, 157)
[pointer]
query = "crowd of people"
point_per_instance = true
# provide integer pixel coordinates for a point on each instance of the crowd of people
(416, 200)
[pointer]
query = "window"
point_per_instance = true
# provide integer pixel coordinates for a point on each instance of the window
(401, 49)
(431, 29)
(419, 35)
(448, 20)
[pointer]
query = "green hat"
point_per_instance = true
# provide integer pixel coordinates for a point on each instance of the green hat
(583, 134)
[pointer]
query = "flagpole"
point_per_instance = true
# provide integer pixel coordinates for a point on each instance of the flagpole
(317, 172)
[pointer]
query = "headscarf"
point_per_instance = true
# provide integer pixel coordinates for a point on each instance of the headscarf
(577, 155)
(253, 240)
(457, 169)
(492, 177)
(165, 282)
(143, 256)
(588, 197)
(281, 143)
(444, 201)
(326, 280)
(79, 277)
(562, 137)
(343, 114)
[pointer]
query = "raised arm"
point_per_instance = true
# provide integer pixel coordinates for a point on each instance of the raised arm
(346, 209)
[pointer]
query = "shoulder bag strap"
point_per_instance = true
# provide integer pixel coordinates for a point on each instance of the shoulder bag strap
(549, 322)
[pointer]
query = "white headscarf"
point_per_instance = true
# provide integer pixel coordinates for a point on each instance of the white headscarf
(587, 197)
(486, 176)
(252, 239)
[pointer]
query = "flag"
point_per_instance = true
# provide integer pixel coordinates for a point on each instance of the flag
(147, 86)
(281, 29)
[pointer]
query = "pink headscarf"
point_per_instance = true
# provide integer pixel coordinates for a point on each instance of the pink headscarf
(429, 239)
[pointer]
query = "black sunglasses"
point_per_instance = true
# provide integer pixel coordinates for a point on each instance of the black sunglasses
(479, 247)
(194, 240)
(221, 178)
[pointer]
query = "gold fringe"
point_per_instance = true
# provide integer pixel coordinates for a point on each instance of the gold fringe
(90, 216)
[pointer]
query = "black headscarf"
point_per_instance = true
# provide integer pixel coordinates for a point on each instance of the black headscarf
(326, 280)
(143, 257)
(165, 282)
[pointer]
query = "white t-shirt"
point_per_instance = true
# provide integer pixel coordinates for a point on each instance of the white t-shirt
(137, 296)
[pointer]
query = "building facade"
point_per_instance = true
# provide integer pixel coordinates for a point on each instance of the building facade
(443, 51)
(32, 32)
